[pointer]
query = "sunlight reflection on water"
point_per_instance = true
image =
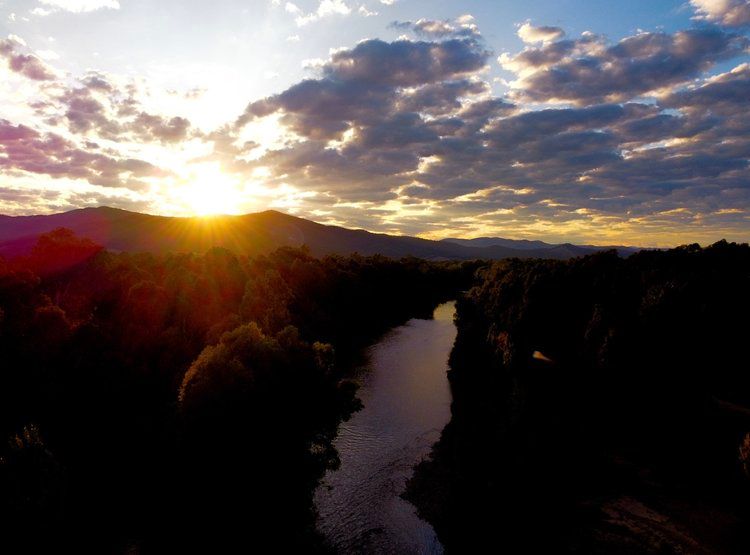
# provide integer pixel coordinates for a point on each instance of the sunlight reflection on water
(406, 405)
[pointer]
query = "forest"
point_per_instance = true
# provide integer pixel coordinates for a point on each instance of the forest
(159, 403)
(600, 405)
(154, 403)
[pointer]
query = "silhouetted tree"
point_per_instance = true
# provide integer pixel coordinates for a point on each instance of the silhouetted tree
(32, 493)
(188, 396)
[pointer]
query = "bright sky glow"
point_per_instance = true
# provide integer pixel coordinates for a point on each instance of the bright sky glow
(586, 120)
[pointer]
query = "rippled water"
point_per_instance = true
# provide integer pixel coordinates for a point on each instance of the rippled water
(406, 405)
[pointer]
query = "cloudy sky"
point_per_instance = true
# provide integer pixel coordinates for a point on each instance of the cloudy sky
(595, 121)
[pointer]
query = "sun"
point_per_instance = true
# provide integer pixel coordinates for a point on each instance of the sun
(210, 192)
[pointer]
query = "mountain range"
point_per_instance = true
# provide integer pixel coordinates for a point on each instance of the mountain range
(262, 232)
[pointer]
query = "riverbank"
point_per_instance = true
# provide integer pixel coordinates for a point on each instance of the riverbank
(598, 408)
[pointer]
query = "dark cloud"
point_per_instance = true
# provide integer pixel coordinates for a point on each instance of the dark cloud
(531, 126)
(97, 81)
(415, 123)
(25, 149)
(725, 94)
(404, 130)
(440, 98)
(362, 86)
(430, 28)
(25, 64)
(588, 70)
(152, 128)
(405, 63)
(96, 106)
(101, 109)
(85, 113)
(325, 108)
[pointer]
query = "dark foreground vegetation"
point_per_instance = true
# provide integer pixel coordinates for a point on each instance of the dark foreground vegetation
(601, 405)
(181, 402)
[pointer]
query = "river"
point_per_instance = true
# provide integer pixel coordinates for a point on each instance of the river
(406, 397)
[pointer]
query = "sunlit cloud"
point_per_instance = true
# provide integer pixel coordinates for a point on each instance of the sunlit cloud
(78, 6)
(531, 34)
(326, 8)
(727, 12)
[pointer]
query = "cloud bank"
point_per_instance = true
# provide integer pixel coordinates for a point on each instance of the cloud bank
(643, 140)
(638, 138)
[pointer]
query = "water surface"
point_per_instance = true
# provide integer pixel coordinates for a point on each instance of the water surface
(406, 401)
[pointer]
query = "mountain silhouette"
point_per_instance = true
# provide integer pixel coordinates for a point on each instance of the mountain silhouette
(258, 233)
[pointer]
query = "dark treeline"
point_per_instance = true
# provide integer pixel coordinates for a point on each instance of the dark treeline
(183, 402)
(601, 405)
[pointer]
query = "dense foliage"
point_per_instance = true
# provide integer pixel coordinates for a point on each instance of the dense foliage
(183, 402)
(600, 405)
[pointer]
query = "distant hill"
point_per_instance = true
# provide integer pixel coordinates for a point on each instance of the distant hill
(521, 244)
(565, 250)
(121, 230)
